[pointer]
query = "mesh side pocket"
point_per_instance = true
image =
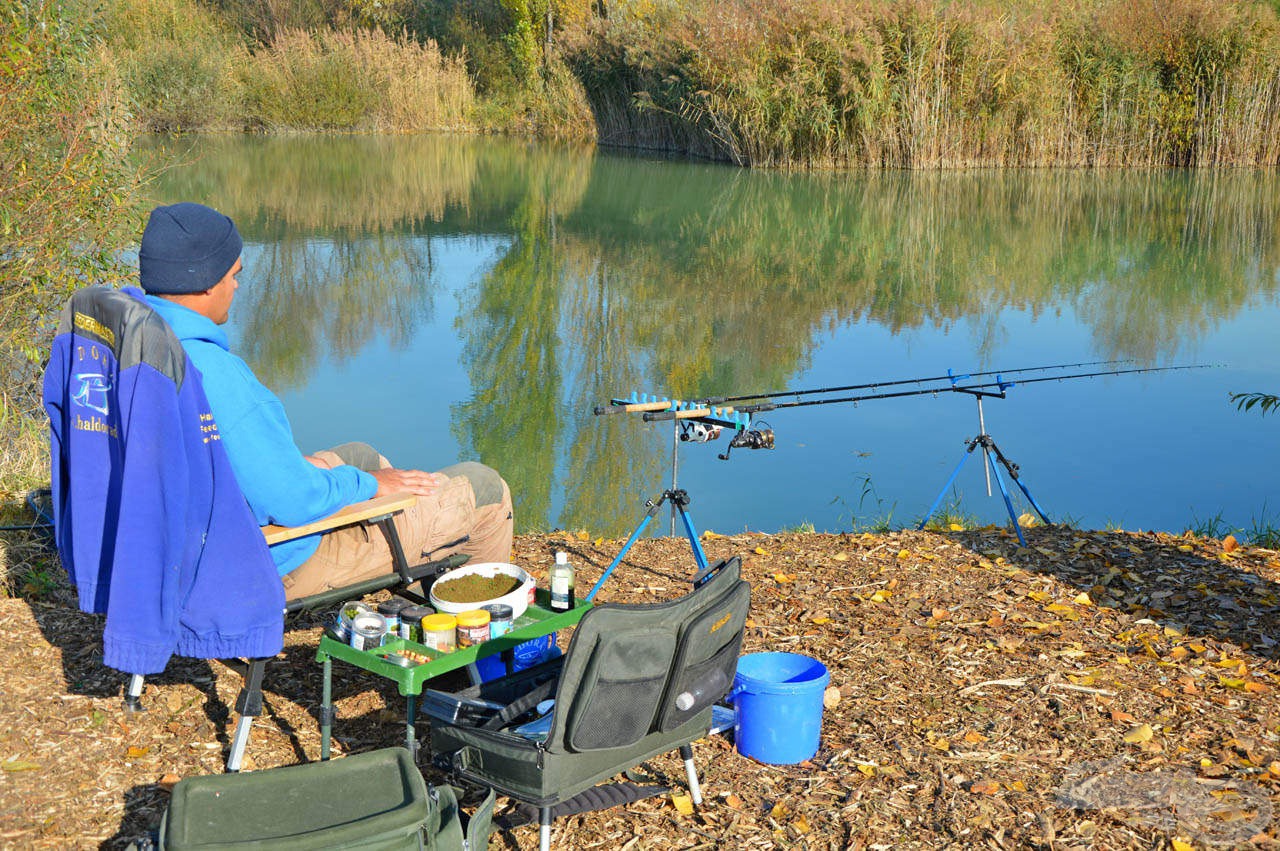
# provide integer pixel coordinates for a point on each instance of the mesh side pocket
(708, 658)
(701, 685)
(619, 698)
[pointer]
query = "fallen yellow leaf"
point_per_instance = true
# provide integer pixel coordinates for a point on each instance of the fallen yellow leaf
(801, 824)
(955, 527)
(17, 765)
(760, 551)
(783, 577)
(1186, 548)
(840, 557)
(683, 804)
(779, 811)
(870, 770)
(904, 554)
(1139, 734)
(1016, 786)
(584, 536)
(881, 595)
(821, 620)
(1181, 845)
(1083, 599)
(134, 752)
(707, 533)
(974, 738)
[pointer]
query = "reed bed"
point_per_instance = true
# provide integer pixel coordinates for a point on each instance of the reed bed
(929, 84)
(355, 80)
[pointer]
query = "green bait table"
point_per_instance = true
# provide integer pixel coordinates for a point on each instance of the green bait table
(538, 620)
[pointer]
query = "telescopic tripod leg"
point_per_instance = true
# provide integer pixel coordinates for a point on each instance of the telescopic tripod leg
(954, 473)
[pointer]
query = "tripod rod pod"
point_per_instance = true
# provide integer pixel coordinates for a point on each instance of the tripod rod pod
(679, 500)
(991, 455)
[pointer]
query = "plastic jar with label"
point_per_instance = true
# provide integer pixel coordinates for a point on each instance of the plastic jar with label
(500, 619)
(473, 627)
(390, 611)
(368, 630)
(411, 622)
(439, 632)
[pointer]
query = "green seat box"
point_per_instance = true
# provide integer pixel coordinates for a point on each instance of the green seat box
(375, 800)
(637, 680)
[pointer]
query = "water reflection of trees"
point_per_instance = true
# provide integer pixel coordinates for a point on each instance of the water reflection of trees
(1149, 260)
(690, 279)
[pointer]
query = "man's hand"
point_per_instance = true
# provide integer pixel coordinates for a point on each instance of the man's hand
(391, 480)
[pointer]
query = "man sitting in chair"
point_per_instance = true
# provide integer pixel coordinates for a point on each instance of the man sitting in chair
(189, 260)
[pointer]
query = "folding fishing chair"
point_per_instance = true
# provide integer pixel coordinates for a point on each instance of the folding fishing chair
(119, 389)
(637, 680)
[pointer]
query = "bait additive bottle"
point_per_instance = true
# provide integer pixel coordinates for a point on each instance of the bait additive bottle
(562, 591)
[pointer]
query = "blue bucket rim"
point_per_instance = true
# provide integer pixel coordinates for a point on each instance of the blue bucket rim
(815, 682)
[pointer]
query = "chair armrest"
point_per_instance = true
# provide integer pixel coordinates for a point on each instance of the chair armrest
(379, 506)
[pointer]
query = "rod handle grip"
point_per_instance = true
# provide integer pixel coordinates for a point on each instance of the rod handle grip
(633, 407)
(691, 414)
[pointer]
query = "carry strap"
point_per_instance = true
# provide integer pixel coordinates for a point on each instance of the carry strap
(521, 705)
(589, 800)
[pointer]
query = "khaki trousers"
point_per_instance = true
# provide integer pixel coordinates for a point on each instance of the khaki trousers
(429, 530)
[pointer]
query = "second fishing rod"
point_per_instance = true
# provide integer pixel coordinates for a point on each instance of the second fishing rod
(995, 388)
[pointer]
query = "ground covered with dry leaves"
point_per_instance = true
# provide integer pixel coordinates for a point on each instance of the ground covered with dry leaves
(1094, 690)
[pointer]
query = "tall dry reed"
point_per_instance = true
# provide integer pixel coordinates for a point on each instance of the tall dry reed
(928, 83)
(361, 80)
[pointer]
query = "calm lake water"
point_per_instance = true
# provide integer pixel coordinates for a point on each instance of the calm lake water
(466, 298)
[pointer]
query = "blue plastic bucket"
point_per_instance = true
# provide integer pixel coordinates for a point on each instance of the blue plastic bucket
(535, 651)
(778, 697)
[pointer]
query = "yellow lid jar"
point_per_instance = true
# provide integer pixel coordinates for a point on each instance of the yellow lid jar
(439, 632)
(473, 627)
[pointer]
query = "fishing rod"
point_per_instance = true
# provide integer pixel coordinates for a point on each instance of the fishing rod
(704, 420)
(985, 388)
(623, 407)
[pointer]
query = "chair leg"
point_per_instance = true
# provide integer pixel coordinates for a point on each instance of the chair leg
(249, 706)
(695, 791)
(133, 694)
(544, 829)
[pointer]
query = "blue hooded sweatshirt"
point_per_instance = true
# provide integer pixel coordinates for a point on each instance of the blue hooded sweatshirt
(280, 485)
(150, 522)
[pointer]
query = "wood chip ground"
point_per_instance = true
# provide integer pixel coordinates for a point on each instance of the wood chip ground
(982, 695)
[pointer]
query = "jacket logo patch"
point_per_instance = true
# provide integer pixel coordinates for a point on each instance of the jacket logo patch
(92, 392)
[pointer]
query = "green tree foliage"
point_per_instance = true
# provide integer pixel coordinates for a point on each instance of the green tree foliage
(1266, 403)
(67, 195)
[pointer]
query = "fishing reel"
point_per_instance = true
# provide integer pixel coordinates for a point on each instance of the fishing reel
(760, 437)
(695, 432)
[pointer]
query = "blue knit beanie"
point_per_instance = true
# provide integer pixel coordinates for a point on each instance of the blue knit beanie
(187, 248)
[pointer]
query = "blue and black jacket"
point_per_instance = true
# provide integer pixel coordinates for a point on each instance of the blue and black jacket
(150, 522)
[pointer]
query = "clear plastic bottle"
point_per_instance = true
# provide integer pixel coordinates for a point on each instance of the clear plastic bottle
(562, 592)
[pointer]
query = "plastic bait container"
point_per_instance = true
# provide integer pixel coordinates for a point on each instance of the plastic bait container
(439, 632)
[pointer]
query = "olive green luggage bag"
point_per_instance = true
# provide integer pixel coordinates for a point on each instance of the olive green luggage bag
(375, 801)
